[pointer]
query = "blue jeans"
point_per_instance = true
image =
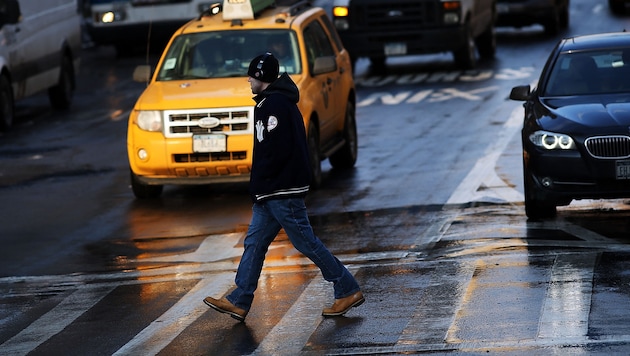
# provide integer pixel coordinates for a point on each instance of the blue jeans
(267, 220)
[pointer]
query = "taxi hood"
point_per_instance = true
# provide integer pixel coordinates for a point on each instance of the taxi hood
(196, 94)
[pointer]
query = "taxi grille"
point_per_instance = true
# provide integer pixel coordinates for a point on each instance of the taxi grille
(395, 14)
(611, 147)
(236, 121)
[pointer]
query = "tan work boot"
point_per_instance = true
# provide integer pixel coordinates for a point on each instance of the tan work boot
(224, 306)
(342, 305)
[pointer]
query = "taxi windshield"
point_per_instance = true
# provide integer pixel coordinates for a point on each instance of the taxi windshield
(223, 54)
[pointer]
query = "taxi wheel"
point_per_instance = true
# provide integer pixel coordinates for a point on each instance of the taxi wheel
(6, 104)
(61, 94)
(144, 191)
(346, 156)
(314, 155)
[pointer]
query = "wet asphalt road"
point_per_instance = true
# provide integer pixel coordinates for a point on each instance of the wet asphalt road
(430, 222)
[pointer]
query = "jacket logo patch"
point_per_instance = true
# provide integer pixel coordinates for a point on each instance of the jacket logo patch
(272, 123)
(260, 129)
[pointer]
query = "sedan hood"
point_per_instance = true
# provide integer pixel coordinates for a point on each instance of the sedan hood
(569, 114)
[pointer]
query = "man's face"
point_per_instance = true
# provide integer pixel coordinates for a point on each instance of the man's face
(256, 85)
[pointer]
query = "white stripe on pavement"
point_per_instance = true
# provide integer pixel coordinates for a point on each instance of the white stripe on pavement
(169, 325)
(54, 321)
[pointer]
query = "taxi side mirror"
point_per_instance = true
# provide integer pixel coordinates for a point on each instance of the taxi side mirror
(324, 65)
(142, 73)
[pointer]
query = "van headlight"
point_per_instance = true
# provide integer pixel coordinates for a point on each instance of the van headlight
(149, 120)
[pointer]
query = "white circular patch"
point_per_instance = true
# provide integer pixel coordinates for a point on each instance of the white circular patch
(272, 123)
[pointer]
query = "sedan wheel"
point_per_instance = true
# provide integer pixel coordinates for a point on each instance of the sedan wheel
(537, 206)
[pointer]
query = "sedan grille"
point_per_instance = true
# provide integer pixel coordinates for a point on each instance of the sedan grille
(611, 147)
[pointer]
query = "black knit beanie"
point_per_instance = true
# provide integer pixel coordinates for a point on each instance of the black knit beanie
(264, 68)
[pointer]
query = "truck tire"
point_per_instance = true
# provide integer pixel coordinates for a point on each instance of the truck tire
(7, 111)
(466, 56)
(487, 43)
(60, 95)
(346, 156)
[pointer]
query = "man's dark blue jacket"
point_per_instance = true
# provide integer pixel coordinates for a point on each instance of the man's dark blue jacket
(280, 167)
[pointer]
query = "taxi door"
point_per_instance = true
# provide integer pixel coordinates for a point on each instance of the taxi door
(325, 93)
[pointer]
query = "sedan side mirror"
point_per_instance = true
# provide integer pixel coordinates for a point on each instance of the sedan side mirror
(521, 93)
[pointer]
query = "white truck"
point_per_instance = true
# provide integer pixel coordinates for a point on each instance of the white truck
(40, 45)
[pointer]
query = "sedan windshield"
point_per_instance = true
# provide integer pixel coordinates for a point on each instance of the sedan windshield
(224, 54)
(590, 73)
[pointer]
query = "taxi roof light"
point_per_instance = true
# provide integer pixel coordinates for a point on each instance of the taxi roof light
(244, 9)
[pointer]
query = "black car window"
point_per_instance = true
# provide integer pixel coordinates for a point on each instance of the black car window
(317, 43)
(589, 73)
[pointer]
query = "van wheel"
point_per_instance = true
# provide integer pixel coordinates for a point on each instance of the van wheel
(314, 155)
(144, 191)
(6, 104)
(346, 156)
(61, 94)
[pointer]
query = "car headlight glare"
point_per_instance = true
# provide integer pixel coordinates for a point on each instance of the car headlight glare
(552, 141)
(149, 120)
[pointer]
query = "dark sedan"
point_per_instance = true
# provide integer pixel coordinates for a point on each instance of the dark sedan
(576, 129)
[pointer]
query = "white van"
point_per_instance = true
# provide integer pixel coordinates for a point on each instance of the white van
(39, 50)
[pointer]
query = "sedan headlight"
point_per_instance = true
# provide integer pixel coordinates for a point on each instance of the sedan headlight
(149, 120)
(552, 141)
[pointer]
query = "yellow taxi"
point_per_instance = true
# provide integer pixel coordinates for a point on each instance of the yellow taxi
(193, 124)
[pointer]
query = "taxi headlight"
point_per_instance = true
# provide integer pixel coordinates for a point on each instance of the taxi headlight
(552, 141)
(149, 120)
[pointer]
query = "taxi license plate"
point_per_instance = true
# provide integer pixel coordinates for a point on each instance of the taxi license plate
(395, 49)
(623, 170)
(209, 143)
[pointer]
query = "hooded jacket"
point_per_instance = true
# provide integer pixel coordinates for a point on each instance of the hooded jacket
(280, 165)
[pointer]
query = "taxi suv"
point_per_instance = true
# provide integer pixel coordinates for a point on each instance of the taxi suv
(193, 124)
(576, 129)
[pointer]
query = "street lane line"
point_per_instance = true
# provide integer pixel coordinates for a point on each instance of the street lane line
(54, 321)
(484, 174)
(162, 331)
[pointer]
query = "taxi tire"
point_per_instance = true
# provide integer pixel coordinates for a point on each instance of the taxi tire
(314, 155)
(346, 156)
(144, 191)
(7, 110)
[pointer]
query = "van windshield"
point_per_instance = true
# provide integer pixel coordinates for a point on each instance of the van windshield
(222, 54)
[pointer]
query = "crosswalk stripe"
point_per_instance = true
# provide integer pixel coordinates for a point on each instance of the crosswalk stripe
(567, 304)
(290, 335)
(55, 320)
(169, 325)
